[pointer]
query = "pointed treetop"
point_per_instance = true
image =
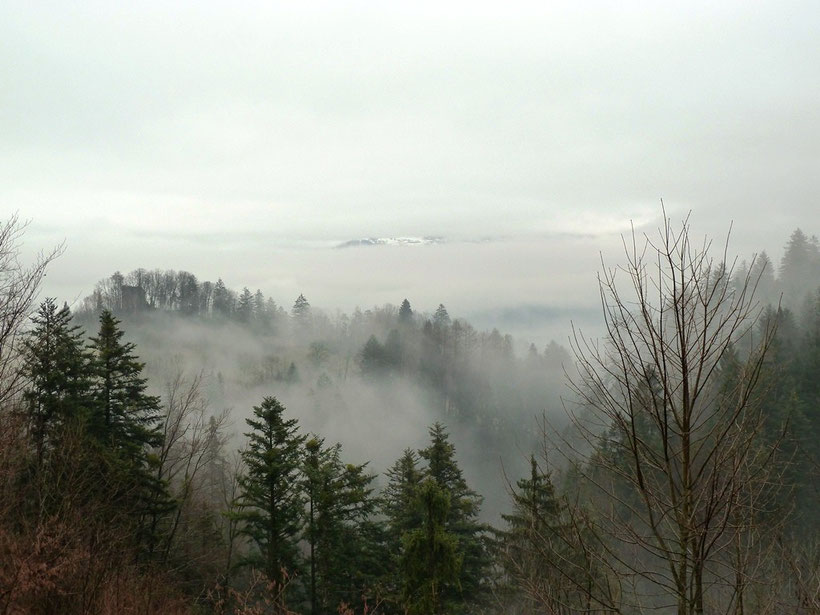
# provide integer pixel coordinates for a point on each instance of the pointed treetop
(301, 308)
(405, 311)
(441, 318)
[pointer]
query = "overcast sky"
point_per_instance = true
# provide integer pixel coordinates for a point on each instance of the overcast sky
(244, 140)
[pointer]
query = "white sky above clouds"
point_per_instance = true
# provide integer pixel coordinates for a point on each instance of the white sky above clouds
(243, 140)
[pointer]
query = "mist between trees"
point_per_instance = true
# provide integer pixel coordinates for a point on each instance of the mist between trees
(175, 446)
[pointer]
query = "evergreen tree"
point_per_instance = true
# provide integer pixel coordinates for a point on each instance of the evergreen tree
(762, 273)
(272, 312)
(125, 417)
(342, 538)
(799, 269)
(398, 506)
(393, 350)
(372, 358)
(301, 311)
(221, 299)
(462, 515)
(315, 461)
(125, 424)
(270, 504)
(441, 318)
(57, 368)
(244, 307)
(405, 312)
(532, 528)
(260, 312)
(403, 479)
(443, 468)
(431, 561)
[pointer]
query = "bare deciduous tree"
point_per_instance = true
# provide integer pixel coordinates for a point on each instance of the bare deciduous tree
(19, 286)
(672, 455)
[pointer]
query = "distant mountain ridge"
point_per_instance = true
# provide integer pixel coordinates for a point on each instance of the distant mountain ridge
(392, 241)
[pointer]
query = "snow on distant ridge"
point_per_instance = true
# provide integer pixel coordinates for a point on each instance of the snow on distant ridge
(391, 241)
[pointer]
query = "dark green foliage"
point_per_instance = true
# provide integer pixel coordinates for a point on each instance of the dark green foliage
(405, 312)
(271, 503)
(397, 498)
(372, 359)
(222, 301)
(543, 563)
(393, 350)
(462, 513)
(535, 506)
(431, 561)
(125, 417)
(343, 540)
(244, 306)
(398, 505)
(57, 368)
(124, 422)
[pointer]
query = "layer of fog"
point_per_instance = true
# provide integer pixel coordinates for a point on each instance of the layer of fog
(374, 420)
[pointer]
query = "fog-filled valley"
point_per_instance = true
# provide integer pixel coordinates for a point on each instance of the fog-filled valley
(373, 381)
(263, 454)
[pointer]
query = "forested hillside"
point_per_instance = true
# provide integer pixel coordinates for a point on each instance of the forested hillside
(176, 446)
(374, 379)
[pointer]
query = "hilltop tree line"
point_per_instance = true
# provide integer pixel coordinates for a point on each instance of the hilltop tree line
(470, 376)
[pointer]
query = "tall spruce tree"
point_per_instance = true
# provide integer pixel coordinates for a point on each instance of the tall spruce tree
(221, 302)
(300, 312)
(125, 423)
(405, 312)
(431, 559)
(125, 418)
(57, 367)
(533, 527)
(244, 306)
(271, 503)
(398, 496)
(341, 536)
(398, 506)
(462, 514)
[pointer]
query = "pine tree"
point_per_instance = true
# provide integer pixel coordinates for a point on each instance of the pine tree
(431, 560)
(339, 531)
(260, 313)
(301, 311)
(405, 312)
(270, 503)
(221, 299)
(244, 307)
(441, 318)
(126, 417)
(125, 424)
(372, 358)
(403, 478)
(398, 506)
(315, 461)
(57, 368)
(462, 515)
(799, 269)
(393, 350)
(525, 546)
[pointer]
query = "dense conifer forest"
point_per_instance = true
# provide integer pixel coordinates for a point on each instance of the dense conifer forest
(173, 445)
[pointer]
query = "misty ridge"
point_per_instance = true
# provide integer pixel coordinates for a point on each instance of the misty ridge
(232, 453)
